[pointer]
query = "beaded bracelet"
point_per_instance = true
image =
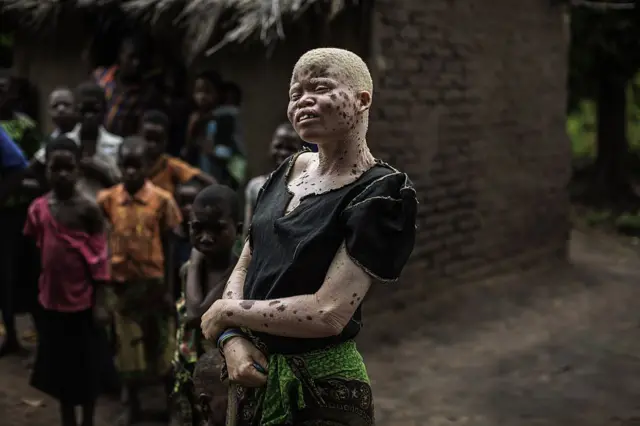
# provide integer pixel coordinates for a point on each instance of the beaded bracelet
(227, 335)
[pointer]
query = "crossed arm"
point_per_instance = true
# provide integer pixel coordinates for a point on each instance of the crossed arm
(322, 314)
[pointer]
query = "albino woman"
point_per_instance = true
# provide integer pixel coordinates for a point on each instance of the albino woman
(326, 227)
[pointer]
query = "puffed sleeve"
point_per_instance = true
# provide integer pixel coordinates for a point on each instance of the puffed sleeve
(380, 226)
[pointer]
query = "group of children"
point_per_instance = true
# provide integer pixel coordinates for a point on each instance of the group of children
(114, 274)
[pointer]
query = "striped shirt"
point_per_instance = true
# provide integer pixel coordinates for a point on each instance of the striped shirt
(125, 104)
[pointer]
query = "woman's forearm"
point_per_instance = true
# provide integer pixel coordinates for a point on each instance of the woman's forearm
(299, 316)
(322, 314)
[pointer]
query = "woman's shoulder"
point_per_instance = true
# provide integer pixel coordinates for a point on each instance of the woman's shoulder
(383, 180)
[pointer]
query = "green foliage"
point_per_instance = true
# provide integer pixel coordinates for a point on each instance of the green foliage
(581, 123)
(581, 128)
(6, 40)
(628, 223)
(597, 217)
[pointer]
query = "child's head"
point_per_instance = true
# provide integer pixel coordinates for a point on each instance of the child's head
(215, 221)
(130, 57)
(90, 104)
(62, 157)
(154, 128)
(185, 196)
(62, 108)
(210, 392)
(206, 90)
(285, 143)
(133, 162)
(231, 93)
(330, 96)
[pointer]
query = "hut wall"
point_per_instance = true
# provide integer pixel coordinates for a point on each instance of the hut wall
(48, 63)
(470, 100)
(265, 79)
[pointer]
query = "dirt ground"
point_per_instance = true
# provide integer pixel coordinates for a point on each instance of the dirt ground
(555, 346)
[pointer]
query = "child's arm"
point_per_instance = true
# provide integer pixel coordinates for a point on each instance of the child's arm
(170, 218)
(184, 173)
(171, 268)
(204, 179)
(193, 289)
(98, 171)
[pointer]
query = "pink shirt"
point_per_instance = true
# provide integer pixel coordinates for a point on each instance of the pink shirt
(70, 259)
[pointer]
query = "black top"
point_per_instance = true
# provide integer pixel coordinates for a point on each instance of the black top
(376, 217)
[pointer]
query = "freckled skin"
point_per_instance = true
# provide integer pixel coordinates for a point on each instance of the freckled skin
(329, 106)
(247, 304)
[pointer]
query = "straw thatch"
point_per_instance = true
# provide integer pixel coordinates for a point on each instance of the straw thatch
(231, 21)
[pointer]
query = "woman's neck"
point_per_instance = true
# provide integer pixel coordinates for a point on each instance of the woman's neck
(349, 155)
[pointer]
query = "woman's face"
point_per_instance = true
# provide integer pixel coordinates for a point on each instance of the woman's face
(321, 107)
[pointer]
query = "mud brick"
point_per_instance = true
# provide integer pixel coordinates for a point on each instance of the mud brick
(463, 106)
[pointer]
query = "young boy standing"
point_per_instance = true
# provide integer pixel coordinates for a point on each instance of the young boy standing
(214, 225)
(140, 214)
(166, 171)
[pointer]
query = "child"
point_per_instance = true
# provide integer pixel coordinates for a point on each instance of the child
(211, 393)
(140, 214)
(214, 225)
(165, 172)
(206, 97)
(61, 110)
(285, 143)
(69, 232)
(181, 244)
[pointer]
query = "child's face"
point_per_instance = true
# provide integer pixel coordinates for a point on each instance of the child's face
(284, 144)
(155, 136)
(62, 171)
(322, 107)
(90, 111)
(205, 95)
(212, 230)
(133, 165)
(185, 195)
(61, 108)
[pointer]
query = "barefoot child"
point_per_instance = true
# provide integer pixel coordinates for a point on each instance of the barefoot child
(68, 230)
(214, 226)
(140, 214)
(165, 171)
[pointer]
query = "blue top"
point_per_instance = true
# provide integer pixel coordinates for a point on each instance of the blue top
(11, 157)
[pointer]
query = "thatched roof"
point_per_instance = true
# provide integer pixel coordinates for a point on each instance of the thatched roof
(232, 21)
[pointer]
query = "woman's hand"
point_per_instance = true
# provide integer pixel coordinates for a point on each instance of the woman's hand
(213, 321)
(240, 356)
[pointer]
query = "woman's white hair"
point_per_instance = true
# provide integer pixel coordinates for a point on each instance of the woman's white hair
(348, 67)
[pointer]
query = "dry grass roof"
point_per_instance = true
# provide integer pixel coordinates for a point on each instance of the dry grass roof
(235, 21)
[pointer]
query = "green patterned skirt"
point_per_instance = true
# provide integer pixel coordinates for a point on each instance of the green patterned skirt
(328, 387)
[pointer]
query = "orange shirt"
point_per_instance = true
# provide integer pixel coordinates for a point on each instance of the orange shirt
(137, 225)
(170, 171)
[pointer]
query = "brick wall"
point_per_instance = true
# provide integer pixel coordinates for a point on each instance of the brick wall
(469, 99)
